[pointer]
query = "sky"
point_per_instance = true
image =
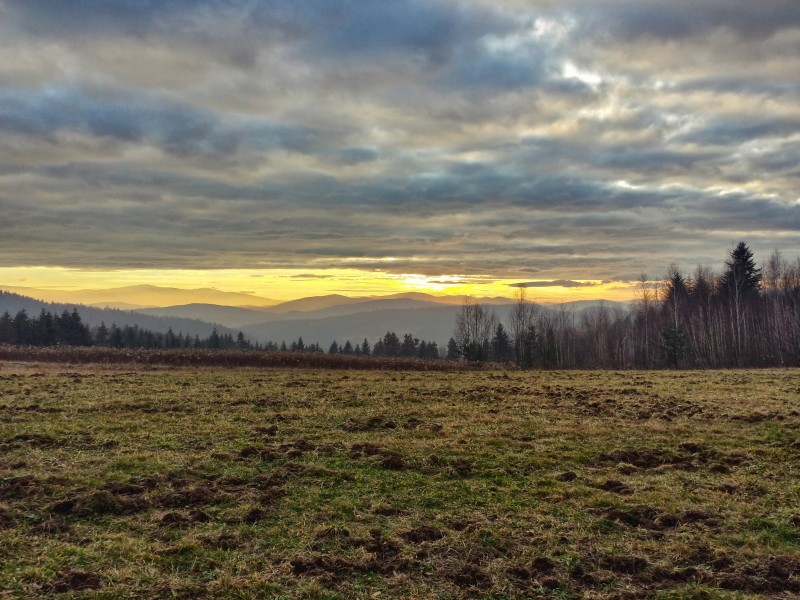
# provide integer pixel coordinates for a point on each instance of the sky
(290, 147)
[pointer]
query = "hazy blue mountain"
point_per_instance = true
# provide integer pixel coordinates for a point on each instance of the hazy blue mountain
(303, 309)
(13, 303)
(342, 310)
(141, 295)
(432, 324)
(579, 305)
(229, 316)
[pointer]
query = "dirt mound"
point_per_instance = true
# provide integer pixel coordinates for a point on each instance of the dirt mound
(617, 487)
(469, 575)
(628, 565)
(388, 459)
(644, 458)
(7, 520)
(73, 581)
(371, 424)
(422, 534)
(689, 456)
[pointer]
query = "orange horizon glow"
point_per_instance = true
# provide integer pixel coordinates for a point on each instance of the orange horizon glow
(285, 285)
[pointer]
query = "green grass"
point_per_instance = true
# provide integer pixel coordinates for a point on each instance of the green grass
(133, 482)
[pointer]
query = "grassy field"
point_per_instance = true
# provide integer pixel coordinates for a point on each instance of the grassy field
(246, 483)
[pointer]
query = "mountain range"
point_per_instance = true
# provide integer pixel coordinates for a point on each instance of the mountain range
(13, 303)
(320, 319)
(134, 297)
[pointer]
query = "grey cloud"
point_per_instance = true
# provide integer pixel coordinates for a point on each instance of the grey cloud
(176, 128)
(682, 18)
(441, 133)
(735, 131)
(565, 283)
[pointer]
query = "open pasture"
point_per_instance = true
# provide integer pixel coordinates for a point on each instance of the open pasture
(188, 483)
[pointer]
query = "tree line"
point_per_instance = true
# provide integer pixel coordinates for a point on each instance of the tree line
(69, 329)
(745, 316)
(389, 346)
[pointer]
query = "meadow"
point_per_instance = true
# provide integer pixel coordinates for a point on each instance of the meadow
(187, 482)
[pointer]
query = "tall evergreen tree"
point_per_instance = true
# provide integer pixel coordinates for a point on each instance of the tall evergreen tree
(6, 328)
(741, 274)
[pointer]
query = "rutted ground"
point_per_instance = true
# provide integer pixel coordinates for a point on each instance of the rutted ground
(330, 484)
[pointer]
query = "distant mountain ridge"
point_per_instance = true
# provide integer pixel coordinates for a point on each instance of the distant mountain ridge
(320, 319)
(13, 303)
(138, 296)
(240, 317)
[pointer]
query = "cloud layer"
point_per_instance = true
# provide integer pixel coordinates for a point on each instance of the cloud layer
(519, 139)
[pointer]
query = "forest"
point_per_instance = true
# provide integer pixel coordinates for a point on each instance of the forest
(746, 316)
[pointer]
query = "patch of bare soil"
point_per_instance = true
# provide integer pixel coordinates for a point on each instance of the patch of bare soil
(385, 560)
(371, 424)
(651, 518)
(7, 520)
(615, 486)
(289, 450)
(765, 576)
(183, 519)
(73, 581)
(457, 467)
(35, 407)
(758, 417)
(31, 440)
(467, 575)
(223, 541)
(387, 459)
(688, 456)
(421, 534)
(388, 511)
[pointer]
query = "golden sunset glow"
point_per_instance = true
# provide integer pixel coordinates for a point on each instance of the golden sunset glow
(283, 285)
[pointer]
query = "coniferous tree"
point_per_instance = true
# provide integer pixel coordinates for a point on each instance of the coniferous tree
(502, 349)
(6, 328)
(452, 350)
(408, 348)
(101, 334)
(23, 330)
(673, 345)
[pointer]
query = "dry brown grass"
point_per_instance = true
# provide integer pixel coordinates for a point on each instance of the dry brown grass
(190, 482)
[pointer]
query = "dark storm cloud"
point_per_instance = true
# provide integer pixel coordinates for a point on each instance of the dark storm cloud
(578, 140)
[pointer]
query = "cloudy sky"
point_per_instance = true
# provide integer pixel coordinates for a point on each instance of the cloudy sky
(289, 146)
